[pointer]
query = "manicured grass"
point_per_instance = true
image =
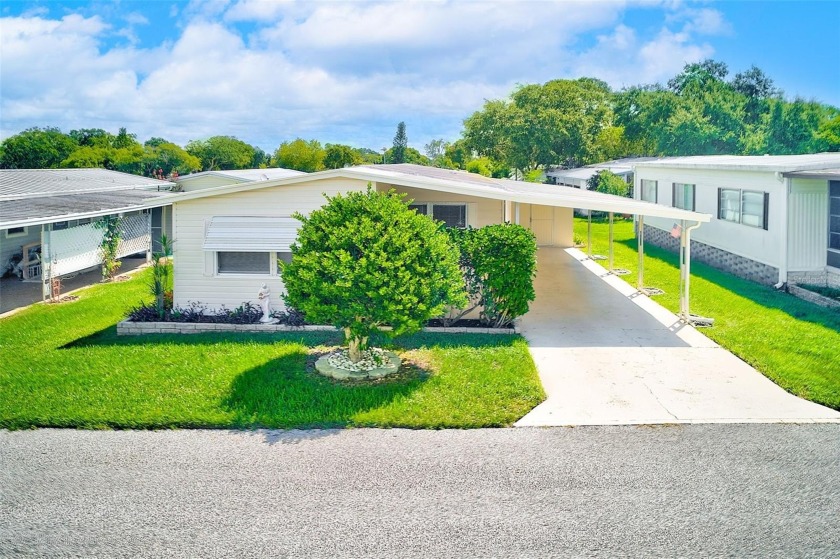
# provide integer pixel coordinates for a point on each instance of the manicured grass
(64, 366)
(793, 342)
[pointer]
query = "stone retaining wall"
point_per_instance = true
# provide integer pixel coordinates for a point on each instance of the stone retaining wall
(812, 297)
(736, 265)
(129, 328)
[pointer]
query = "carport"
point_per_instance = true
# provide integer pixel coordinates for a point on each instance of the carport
(519, 197)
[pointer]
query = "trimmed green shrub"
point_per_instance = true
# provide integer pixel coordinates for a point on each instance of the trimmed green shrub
(366, 260)
(499, 263)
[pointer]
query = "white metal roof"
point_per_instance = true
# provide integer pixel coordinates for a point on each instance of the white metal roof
(245, 175)
(770, 163)
(469, 184)
(32, 183)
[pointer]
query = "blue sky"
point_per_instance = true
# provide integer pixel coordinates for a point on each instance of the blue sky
(268, 71)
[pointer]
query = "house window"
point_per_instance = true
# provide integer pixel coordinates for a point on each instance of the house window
(84, 221)
(649, 191)
(747, 207)
(285, 257)
(833, 257)
(59, 225)
(452, 215)
(16, 232)
(243, 263)
(683, 196)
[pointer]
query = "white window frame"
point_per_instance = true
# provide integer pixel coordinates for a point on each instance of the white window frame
(271, 271)
(24, 233)
(649, 183)
(765, 214)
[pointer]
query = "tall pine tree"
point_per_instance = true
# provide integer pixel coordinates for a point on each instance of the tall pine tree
(400, 145)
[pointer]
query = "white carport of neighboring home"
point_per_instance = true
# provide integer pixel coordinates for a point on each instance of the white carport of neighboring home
(47, 217)
(215, 277)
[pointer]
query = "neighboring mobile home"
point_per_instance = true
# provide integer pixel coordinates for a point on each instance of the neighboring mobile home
(47, 218)
(776, 218)
(228, 239)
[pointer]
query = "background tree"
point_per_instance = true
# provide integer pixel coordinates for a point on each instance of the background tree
(222, 153)
(365, 260)
(36, 148)
(339, 155)
(435, 150)
(168, 157)
(411, 155)
(300, 155)
(398, 151)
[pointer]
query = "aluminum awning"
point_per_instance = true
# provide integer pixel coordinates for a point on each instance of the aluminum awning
(250, 234)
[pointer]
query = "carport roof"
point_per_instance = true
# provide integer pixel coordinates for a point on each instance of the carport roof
(50, 209)
(469, 184)
(37, 196)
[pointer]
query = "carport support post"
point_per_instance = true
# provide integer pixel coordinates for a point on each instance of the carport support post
(589, 234)
(611, 243)
(640, 243)
(685, 255)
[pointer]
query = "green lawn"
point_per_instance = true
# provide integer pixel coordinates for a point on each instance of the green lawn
(793, 342)
(64, 366)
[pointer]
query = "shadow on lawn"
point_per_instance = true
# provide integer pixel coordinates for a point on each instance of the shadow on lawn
(288, 393)
(761, 294)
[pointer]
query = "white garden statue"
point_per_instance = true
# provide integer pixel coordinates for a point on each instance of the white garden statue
(264, 297)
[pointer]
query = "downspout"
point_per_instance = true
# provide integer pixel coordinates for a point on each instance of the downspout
(46, 264)
(610, 267)
(685, 272)
(640, 243)
(783, 262)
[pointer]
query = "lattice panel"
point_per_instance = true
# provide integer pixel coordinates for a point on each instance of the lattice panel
(74, 249)
(136, 235)
(78, 248)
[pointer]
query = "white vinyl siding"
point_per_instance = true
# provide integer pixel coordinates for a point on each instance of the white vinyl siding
(196, 278)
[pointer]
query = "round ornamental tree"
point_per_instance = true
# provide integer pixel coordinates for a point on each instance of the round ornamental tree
(366, 260)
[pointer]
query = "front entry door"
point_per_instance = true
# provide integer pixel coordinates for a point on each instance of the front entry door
(542, 224)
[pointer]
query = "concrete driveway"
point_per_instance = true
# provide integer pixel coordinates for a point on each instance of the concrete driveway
(609, 356)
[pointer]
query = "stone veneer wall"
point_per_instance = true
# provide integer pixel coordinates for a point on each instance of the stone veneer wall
(726, 261)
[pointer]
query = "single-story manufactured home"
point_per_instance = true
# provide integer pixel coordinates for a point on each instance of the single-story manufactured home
(47, 219)
(776, 219)
(228, 239)
(579, 176)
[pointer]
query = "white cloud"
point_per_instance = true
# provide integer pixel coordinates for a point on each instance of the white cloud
(622, 58)
(343, 72)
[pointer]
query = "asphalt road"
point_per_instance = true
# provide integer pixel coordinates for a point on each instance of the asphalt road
(666, 491)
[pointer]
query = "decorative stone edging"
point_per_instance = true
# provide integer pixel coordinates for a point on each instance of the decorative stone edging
(323, 367)
(811, 297)
(129, 328)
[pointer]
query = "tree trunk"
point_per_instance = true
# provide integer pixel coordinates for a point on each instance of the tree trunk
(355, 345)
